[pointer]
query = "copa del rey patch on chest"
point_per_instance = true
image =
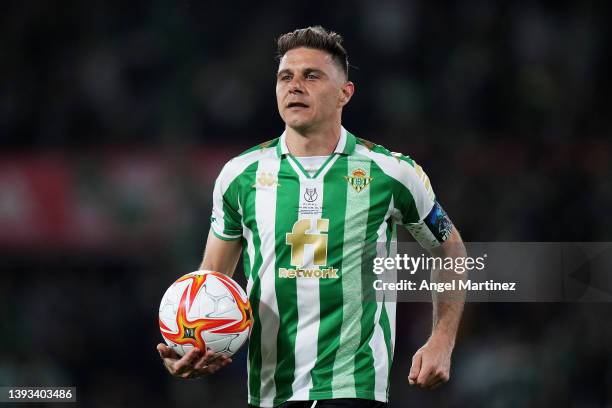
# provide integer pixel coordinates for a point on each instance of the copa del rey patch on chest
(358, 179)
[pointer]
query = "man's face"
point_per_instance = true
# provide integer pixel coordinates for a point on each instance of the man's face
(310, 89)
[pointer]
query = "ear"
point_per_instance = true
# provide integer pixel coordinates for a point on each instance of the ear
(346, 93)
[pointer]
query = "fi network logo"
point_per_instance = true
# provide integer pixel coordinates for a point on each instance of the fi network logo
(298, 238)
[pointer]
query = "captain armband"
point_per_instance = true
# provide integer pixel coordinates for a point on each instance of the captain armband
(434, 229)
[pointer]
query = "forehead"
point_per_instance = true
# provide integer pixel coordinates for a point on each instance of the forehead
(299, 58)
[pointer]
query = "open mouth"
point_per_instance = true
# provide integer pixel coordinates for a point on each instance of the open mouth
(297, 105)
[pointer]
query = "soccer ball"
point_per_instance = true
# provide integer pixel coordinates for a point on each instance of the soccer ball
(205, 309)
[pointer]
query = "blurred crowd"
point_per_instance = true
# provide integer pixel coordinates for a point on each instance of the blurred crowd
(116, 117)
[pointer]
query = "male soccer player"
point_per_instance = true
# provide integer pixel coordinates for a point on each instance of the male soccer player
(300, 208)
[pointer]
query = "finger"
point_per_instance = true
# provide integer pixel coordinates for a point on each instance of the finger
(165, 351)
(201, 363)
(436, 385)
(436, 378)
(425, 375)
(440, 377)
(222, 362)
(204, 370)
(192, 375)
(206, 360)
(415, 368)
(187, 362)
(216, 362)
(217, 359)
(214, 367)
(192, 357)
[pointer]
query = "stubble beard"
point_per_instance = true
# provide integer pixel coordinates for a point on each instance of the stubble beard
(301, 125)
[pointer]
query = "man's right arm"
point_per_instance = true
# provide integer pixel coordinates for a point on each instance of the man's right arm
(221, 254)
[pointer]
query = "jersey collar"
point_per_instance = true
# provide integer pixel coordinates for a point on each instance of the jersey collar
(345, 146)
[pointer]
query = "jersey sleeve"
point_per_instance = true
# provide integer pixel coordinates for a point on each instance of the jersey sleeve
(417, 207)
(226, 218)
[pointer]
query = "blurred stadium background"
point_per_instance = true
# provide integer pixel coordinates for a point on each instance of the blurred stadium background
(115, 118)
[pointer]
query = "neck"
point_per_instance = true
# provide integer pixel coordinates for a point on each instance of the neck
(321, 142)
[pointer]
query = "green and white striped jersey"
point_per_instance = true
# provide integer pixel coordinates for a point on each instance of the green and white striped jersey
(314, 337)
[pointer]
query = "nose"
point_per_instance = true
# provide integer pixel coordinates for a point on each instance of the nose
(295, 86)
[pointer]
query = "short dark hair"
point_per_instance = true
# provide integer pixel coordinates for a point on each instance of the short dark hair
(318, 38)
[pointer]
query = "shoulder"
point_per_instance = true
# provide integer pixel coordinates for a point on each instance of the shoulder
(262, 147)
(238, 164)
(381, 153)
(398, 166)
(383, 157)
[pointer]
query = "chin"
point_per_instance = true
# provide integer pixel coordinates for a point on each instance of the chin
(297, 124)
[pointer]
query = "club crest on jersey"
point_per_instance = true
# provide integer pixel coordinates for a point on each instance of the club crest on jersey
(265, 179)
(358, 179)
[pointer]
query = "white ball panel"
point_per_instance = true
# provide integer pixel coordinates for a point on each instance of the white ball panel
(210, 336)
(227, 308)
(216, 288)
(168, 307)
(202, 306)
(239, 341)
(219, 344)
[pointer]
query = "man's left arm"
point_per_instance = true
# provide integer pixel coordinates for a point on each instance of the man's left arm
(431, 363)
